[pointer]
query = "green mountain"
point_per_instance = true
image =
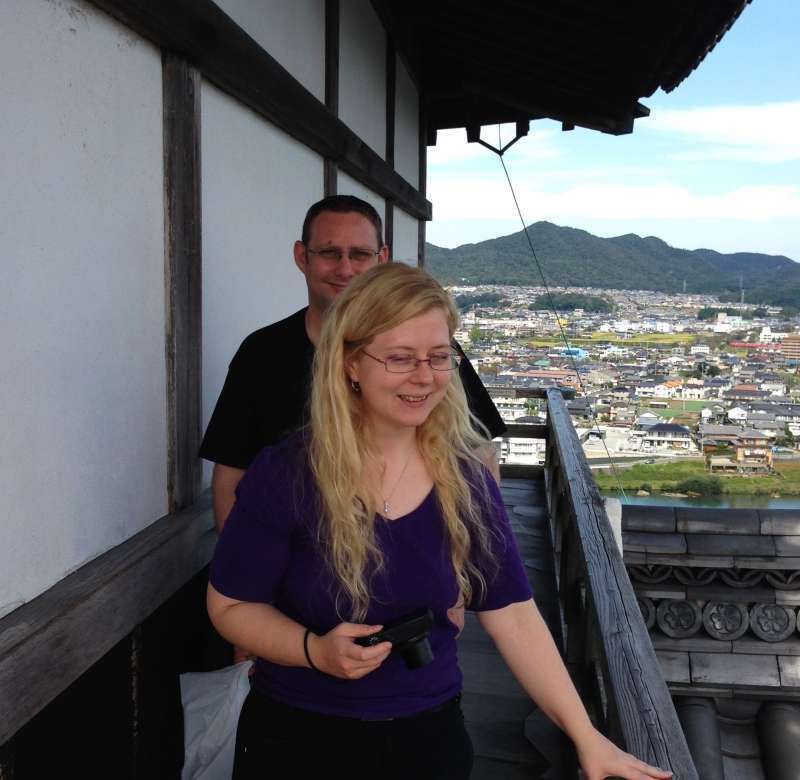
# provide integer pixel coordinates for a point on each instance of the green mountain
(571, 257)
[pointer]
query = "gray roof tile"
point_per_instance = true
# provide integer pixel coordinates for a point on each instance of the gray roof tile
(741, 671)
(714, 544)
(718, 521)
(780, 522)
(789, 670)
(659, 543)
(787, 545)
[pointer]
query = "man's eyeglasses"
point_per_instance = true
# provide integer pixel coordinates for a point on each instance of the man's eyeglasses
(334, 254)
(405, 364)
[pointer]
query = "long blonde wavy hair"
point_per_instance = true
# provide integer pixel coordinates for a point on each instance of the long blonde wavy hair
(341, 445)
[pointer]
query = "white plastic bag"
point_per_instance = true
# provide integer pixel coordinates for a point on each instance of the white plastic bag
(212, 702)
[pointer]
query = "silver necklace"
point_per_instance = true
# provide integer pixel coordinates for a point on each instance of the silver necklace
(387, 509)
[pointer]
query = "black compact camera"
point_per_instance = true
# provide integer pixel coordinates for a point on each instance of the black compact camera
(409, 638)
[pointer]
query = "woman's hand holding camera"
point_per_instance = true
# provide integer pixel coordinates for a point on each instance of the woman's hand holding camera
(336, 653)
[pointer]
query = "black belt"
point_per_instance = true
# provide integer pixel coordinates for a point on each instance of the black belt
(443, 707)
(269, 701)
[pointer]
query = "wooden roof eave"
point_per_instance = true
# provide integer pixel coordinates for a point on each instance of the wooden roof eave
(601, 58)
(592, 113)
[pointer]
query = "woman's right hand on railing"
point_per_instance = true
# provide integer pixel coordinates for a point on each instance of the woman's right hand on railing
(600, 758)
(337, 654)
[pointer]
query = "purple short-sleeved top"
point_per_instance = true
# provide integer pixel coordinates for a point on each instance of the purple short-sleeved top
(268, 553)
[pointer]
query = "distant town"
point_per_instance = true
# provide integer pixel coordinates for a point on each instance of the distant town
(687, 395)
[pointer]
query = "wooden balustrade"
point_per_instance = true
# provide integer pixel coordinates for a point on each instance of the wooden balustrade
(608, 650)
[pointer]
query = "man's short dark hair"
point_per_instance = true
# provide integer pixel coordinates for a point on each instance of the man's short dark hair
(342, 204)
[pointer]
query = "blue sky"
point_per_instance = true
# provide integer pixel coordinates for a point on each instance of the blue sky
(717, 163)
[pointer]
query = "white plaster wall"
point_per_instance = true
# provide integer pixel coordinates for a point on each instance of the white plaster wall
(347, 185)
(362, 73)
(406, 127)
(406, 237)
(292, 31)
(257, 186)
(82, 377)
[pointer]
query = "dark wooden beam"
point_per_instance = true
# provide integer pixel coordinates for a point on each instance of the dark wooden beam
(523, 431)
(48, 643)
(330, 174)
(388, 226)
(391, 99)
(332, 22)
(226, 55)
(520, 471)
(183, 269)
(138, 724)
(422, 180)
(7, 761)
(491, 95)
(407, 45)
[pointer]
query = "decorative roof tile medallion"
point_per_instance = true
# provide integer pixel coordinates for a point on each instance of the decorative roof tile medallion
(724, 620)
(679, 619)
(772, 622)
(648, 610)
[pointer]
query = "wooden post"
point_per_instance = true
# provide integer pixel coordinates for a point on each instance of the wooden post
(391, 96)
(7, 761)
(183, 268)
(138, 727)
(332, 15)
(423, 177)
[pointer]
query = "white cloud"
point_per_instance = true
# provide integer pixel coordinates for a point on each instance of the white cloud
(476, 197)
(755, 133)
(658, 184)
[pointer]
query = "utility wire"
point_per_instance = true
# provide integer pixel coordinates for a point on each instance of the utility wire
(569, 349)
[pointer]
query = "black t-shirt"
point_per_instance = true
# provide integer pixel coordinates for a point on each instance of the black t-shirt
(266, 392)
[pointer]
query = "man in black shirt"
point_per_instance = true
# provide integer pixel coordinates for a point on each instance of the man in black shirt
(267, 387)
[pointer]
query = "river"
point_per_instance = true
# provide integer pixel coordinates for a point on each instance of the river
(719, 502)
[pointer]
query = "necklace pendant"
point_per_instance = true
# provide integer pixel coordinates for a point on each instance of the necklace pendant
(386, 508)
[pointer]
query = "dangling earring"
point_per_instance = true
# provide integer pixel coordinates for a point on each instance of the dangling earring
(355, 385)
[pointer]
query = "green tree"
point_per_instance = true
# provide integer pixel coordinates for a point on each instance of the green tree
(475, 334)
(572, 301)
(479, 299)
(791, 379)
(787, 440)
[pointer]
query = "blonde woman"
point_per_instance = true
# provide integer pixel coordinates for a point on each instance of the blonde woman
(380, 508)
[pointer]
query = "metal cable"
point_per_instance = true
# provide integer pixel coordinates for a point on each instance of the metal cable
(569, 352)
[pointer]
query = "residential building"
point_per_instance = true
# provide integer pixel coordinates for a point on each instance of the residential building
(526, 452)
(753, 451)
(668, 436)
(790, 349)
(711, 438)
(646, 420)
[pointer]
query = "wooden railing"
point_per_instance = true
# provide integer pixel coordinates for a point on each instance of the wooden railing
(608, 650)
(48, 643)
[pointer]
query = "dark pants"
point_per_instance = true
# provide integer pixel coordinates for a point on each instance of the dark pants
(277, 741)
